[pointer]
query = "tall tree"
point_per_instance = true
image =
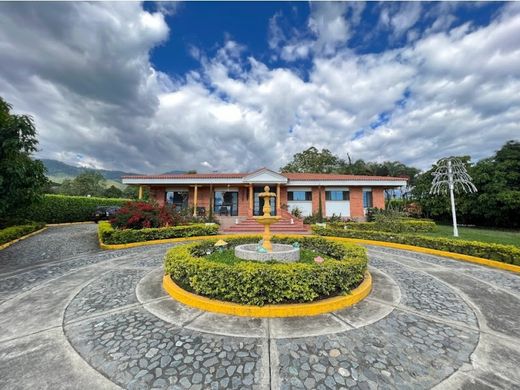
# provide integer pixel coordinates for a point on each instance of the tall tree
(315, 161)
(497, 202)
(87, 183)
(22, 179)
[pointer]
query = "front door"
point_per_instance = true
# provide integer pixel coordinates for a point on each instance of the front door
(258, 204)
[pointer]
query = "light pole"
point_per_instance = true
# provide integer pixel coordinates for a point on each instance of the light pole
(451, 175)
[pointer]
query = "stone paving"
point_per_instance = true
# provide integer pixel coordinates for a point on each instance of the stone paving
(73, 316)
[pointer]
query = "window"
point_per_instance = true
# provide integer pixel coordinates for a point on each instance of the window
(337, 195)
(177, 198)
(225, 203)
(299, 196)
(367, 199)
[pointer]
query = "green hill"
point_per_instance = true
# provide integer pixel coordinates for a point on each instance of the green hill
(58, 171)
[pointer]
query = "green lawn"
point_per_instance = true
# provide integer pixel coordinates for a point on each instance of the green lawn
(508, 237)
(228, 257)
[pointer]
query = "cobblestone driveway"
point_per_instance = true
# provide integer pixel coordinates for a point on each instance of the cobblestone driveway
(72, 316)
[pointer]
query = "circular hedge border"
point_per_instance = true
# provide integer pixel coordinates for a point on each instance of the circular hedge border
(259, 284)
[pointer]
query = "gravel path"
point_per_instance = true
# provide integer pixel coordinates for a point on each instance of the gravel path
(72, 316)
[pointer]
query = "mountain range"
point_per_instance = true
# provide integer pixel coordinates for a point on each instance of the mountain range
(57, 171)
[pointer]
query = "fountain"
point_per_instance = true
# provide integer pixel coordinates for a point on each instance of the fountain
(266, 250)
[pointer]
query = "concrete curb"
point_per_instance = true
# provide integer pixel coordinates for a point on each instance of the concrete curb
(102, 245)
(3, 246)
(436, 252)
(69, 223)
(284, 310)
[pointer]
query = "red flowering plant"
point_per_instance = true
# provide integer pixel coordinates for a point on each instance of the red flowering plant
(137, 215)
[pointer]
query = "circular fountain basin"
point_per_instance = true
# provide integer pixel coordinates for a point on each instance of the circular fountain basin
(281, 252)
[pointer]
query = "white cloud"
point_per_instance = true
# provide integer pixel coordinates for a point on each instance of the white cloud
(329, 28)
(98, 100)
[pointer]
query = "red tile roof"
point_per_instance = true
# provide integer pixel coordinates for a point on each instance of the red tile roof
(190, 176)
(333, 176)
(290, 176)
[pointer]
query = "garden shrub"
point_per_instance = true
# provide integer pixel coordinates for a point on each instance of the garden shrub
(109, 235)
(257, 283)
(503, 253)
(402, 225)
(64, 208)
(139, 215)
(13, 232)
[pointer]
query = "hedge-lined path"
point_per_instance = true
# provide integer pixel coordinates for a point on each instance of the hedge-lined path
(85, 318)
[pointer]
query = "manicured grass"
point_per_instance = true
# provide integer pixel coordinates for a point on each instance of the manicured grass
(507, 237)
(228, 257)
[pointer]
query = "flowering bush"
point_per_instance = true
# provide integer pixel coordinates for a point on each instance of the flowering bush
(143, 215)
(139, 215)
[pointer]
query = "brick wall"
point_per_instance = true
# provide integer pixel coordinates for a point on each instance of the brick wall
(158, 194)
(316, 202)
(356, 203)
(378, 198)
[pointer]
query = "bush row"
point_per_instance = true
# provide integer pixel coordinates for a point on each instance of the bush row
(63, 208)
(504, 253)
(109, 235)
(257, 283)
(404, 225)
(13, 232)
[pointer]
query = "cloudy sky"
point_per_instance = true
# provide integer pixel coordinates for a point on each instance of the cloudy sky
(234, 86)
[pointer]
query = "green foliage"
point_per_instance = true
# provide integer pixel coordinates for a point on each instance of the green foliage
(109, 235)
(319, 218)
(497, 202)
(296, 212)
(22, 179)
(504, 253)
(132, 192)
(63, 208)
(314, 161)
(403, 225)
(113, 192)
(256, 283)
(87, 183)
(227, 256)
(13, 232)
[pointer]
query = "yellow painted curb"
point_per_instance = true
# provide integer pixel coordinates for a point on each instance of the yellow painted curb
(285, 310)
(69, 223)
(3, 246)
(102, 245)
(457, 256)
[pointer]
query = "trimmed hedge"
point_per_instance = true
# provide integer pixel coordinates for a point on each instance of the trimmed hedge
(258, 283)
(108, 235)
(504, 253)
(64, 208)
(13, 232)
(396, 226)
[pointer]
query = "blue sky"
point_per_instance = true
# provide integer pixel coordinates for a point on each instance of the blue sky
(196, 25)
(152, 87)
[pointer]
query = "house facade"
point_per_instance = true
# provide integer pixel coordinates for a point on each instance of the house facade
(236, 194)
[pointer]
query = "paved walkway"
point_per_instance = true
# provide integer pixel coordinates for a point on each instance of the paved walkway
(72, 316)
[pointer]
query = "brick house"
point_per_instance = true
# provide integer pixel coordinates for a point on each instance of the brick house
(234, 196)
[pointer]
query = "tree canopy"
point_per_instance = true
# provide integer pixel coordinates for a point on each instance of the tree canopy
(87, 183)
(22, 178)
(313, 160)
(497, 202)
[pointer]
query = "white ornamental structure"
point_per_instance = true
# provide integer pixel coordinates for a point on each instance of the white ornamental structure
(451, 175)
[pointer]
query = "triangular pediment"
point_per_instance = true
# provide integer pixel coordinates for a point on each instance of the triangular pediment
(266, 176)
